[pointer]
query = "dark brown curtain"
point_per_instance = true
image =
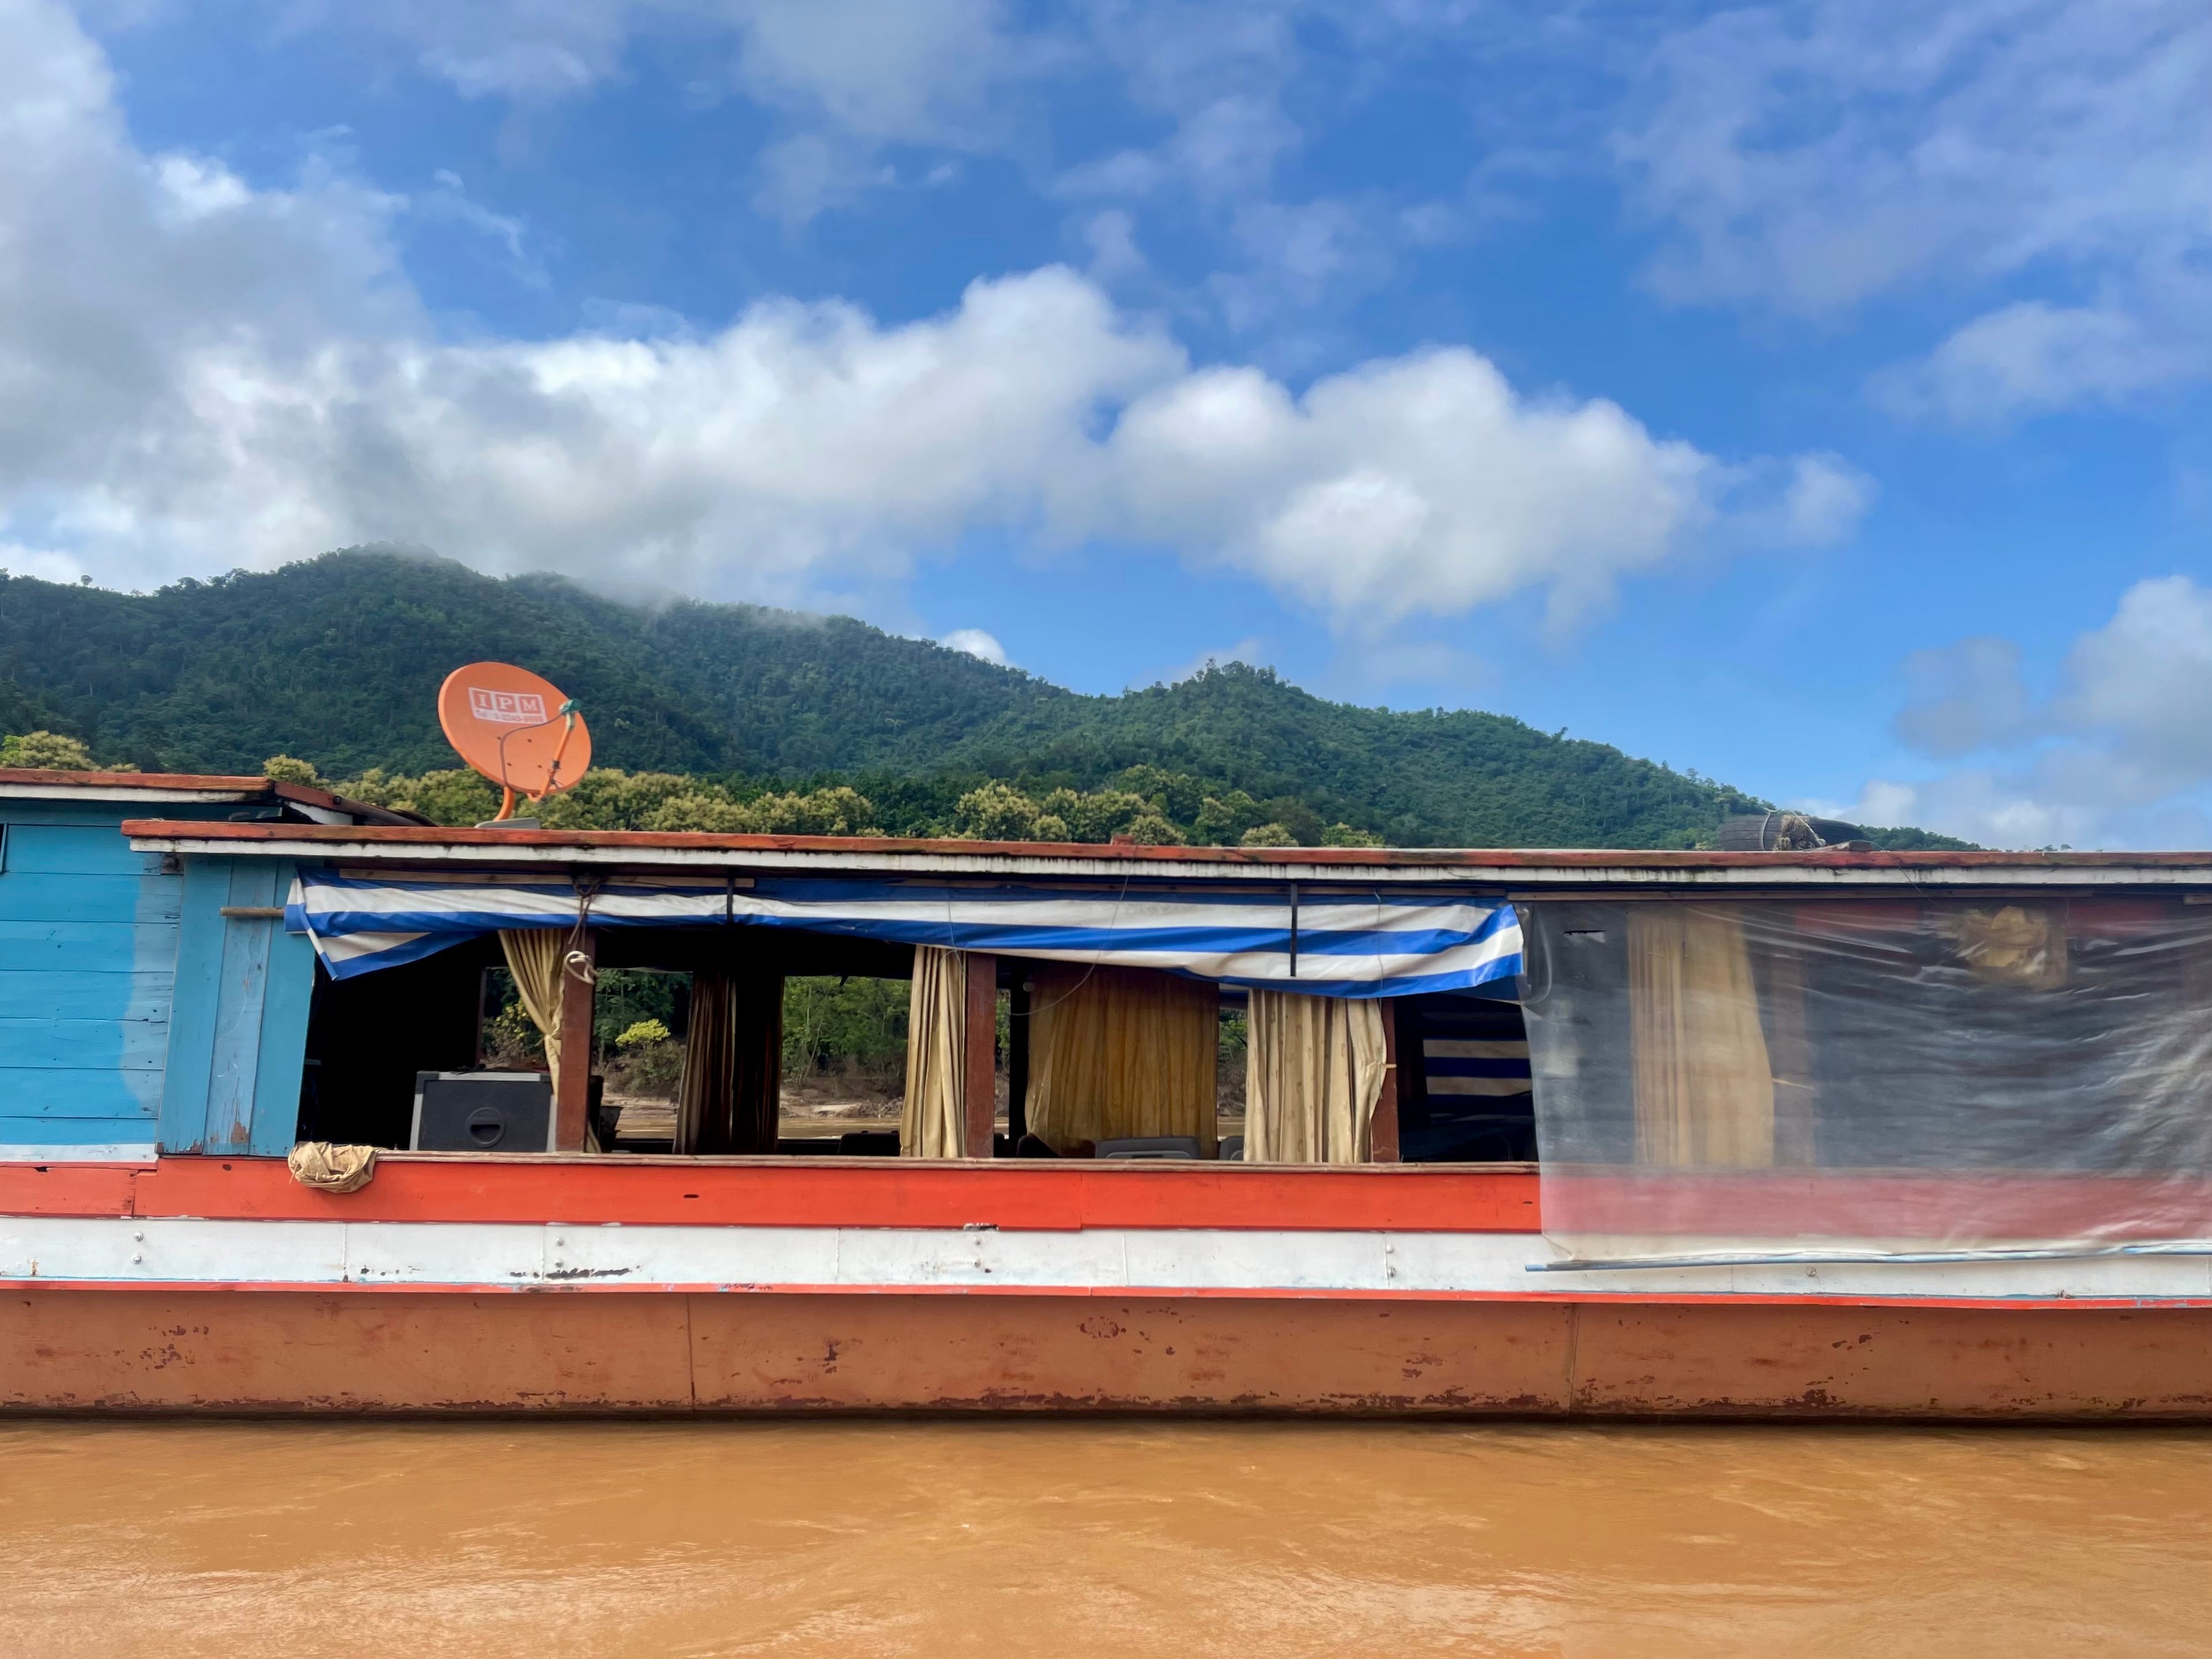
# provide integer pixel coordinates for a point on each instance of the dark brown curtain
(732, 1091)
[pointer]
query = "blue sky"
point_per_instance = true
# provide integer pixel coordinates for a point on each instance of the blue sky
(1812, 395)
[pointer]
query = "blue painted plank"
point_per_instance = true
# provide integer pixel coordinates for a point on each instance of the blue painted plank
(84, 1045)
(284, 1034)
(202, 936)
(234, 1066)
(76, 850)
(83, 1134)
(75, 946)
(128, 995)
(88, 898)
(111, 1091)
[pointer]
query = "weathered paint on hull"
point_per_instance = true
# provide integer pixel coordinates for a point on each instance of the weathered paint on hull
(171, 1351)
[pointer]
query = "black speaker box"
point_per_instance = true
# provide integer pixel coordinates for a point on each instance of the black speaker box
(482, 1112)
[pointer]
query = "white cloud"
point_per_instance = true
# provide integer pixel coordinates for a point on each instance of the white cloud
(1294, 257)
(807, 173)
(2117, 753)
(1964, 697)
(514, 48)
(1811, 156)
(1216, 74)
(449, 201)
(847, 80)
(1420, 484)
(1979, 805)
(203, 375)
(850, 74)
(883, 69)
(20, 560)
(1822, 502)
(2146, 677)
(1251, 650)
(2030, 358)
(976, 643)
(1110, 236)
(2039, 166)
(844, 76)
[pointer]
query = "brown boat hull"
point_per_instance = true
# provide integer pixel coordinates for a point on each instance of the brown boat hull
(297, 1352)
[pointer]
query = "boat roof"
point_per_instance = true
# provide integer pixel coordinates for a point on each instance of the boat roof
(423, 846)
(147, 789)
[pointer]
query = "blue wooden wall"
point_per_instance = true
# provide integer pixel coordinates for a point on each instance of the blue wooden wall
(87, 964)
(105, 1048)
(238, 1037)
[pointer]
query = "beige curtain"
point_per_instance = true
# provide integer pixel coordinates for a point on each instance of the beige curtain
(933, 1123)
(730, 1098)
(1117, 1052)
(536, 956)
(1704, 1085)
(1315, 1070)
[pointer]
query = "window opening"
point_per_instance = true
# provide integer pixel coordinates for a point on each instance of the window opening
(1464, 1093)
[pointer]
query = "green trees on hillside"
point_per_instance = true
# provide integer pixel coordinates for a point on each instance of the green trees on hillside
(48, 752)
(608, 799)
(727, 716)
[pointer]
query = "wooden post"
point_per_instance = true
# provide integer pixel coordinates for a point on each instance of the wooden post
(572, 1086)
(980, 1072)
(1382, 1135)
(1018, 1057)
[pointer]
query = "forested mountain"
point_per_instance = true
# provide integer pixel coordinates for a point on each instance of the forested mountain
(337, 660)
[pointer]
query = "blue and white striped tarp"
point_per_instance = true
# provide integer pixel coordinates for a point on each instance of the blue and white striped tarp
(1330, 943)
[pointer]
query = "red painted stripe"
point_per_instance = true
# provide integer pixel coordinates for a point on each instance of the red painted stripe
(1016, 1195)
(1148, 1293)
(65, 1189)
(1047, 1196)
(143, 780)
(1788, 1204)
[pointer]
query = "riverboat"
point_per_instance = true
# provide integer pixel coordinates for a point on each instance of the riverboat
(1826, 1133)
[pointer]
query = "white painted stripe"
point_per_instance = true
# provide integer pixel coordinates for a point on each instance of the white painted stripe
(636, 853)
(123, 1251)
(1479, 1086)
(123, 792)
(121, 1151)
(1473, 1048)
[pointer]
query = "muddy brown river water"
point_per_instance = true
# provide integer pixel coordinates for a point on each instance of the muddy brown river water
(1073, 1539)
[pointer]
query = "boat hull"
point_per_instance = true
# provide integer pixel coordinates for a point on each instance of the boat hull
(448, 1285)
(115, 1349)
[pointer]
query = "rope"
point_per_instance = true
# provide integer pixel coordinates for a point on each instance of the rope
(577, 963)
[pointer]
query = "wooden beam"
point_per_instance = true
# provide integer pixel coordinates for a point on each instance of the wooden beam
(979, 1072)
(572, 1085)
(1382, 1135)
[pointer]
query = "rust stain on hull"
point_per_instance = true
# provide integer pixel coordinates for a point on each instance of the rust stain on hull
(615, 1353)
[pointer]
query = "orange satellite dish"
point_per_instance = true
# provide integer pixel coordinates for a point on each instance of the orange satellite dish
(516, 728)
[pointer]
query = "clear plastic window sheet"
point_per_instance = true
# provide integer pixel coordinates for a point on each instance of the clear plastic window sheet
(1779, 1077)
